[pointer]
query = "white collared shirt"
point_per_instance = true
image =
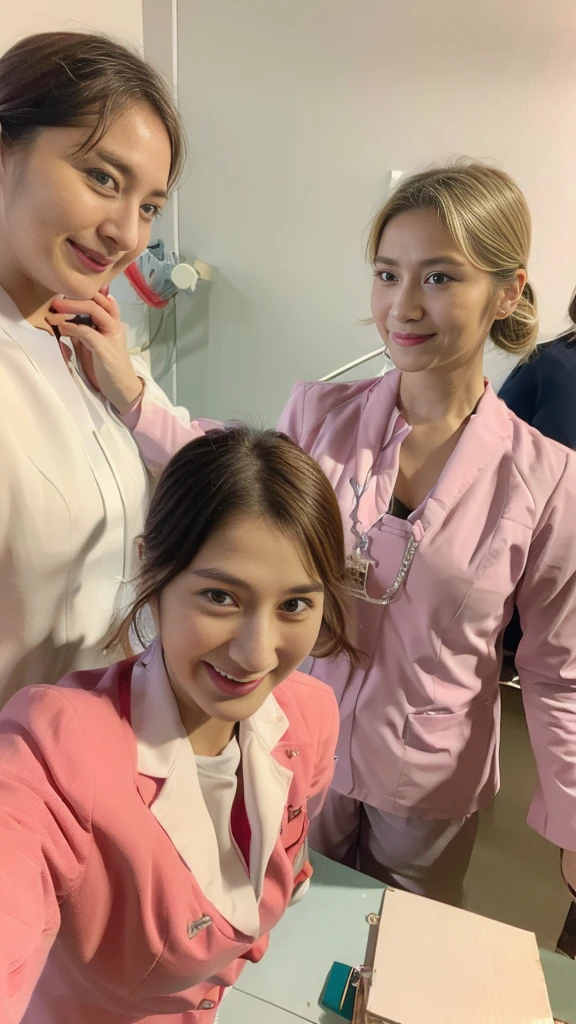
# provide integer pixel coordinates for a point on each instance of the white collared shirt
(74, 495)
(195, 801)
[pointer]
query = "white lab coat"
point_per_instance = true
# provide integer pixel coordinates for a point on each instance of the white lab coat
(73, 497)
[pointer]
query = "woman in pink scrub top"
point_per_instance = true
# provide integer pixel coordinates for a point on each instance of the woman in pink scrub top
(453, 510)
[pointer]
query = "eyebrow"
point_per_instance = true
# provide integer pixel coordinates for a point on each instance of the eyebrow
(234, 581)
(430, 261)
(125, 169)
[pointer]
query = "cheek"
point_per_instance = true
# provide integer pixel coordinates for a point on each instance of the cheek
(299, 641)
(188, 634)
(378, 302)
(49, 213)
(467, 310)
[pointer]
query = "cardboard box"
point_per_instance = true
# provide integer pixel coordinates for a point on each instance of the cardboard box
(429, 963)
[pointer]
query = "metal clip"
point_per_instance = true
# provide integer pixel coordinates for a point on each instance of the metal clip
(194, 927)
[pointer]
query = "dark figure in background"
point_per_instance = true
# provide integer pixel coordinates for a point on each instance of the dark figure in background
(542, 391)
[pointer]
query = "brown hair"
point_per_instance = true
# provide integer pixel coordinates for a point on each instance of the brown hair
(242, 472)
(488, 218)
(76, 80)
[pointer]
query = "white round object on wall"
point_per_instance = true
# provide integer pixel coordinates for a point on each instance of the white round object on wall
(184, 276)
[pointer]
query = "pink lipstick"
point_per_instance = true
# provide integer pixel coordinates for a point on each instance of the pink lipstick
(229, 686)
(410, 340)
(92, 260)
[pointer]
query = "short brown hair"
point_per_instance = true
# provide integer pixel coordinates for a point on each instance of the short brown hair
(488, 218)
(239, 472)
(78, 80)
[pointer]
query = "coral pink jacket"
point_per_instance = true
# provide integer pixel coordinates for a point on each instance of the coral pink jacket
(107, 914)
(420, 718)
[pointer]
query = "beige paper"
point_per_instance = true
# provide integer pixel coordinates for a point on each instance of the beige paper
(435, 964)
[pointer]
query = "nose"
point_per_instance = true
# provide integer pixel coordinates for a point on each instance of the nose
(253, 646)
(124, 227)
(407, 303)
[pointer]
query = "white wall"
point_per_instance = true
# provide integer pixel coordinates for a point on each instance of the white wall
(120, 18)
(296, 111)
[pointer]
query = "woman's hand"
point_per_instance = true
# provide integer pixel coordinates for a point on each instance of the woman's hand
(100, 349)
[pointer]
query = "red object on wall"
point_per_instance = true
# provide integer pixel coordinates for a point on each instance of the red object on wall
(142, 289)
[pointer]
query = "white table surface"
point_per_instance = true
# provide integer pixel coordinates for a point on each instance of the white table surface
(330, 924)
(238, 1008)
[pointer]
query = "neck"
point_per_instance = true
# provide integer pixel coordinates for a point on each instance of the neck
(208, 736)
(437, 394)
(32, 299)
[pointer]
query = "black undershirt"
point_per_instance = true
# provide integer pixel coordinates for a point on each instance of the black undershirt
(398, 509)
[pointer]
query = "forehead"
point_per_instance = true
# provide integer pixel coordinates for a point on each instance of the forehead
(137, 139)
(257, 550)
(418, 231)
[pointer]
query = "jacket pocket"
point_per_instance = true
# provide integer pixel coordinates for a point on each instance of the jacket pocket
(450, 762)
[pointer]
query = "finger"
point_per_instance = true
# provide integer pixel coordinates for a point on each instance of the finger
(101, 316)
(86, 360)
(108, 303)
(87, 335)
(114, 305)
(57, 319)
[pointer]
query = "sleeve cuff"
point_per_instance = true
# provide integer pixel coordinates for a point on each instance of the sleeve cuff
(131, 417)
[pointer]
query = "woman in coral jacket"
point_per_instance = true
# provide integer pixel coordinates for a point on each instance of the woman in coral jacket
(154, 814)
(453, 510)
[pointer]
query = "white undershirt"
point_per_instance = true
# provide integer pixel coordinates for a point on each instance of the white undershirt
(218, 781)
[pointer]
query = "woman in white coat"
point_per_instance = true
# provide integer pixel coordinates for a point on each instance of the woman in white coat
(91, 143)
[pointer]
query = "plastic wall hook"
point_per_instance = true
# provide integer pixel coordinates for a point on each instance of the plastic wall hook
(185, 276)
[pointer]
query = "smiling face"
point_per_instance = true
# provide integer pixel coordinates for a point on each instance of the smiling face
(237, 621)
(72, 222)
(432, 306)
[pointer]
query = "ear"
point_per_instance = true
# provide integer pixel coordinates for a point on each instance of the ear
(509, 295)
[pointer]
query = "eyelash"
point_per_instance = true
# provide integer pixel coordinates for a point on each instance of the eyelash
(93, 172)
(435, 273)
(213, 590)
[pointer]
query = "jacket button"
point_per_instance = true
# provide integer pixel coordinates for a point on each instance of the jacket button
(207, 1004)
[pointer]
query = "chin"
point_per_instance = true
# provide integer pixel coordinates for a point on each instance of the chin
(83, 288)
(76, 285)
(411, 362)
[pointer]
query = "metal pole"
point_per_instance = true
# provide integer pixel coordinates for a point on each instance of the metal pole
(355, 362)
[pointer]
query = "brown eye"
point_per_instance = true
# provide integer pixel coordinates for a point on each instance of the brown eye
(295, 605)
(438, 278)
(219, 597)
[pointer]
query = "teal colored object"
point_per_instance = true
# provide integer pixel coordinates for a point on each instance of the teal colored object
(339, 993)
